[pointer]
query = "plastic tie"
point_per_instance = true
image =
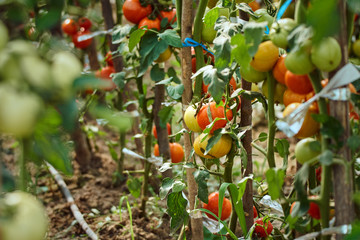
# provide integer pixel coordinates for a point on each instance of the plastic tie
(283, 9)
(189, 42)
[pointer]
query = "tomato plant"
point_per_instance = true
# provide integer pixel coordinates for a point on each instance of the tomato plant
(134, 12)
(326, 55)
(279, 91)
(216, 112)
(299, 62)
(170, 15)
(280, 30)
(164, 56)
(263, 229)
(213, 206)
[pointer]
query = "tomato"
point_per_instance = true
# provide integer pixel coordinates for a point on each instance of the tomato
(279, 69)
(326, 55)
(263, 229)
(213, 206)
(254, 5)
(164, 56)
(216, 112)
(81, 44)
(168, 129)
(263, 17)
(356, 47)
(314, 210)
(32, 33)
(299, 62)
(255, 212)
(299, 84)
(190, 119)
(69, 26)
(176, 152)
(24, 217)
(280, 30)
(170, 15)
(108, 58)
(85, 23)
(232, 83)
(36, 72)
(291, 97)
(279, 91)
(309, 127)
(354, 116)
(220, 149)
(150, 23)
(134, 12)
(251, 75)
(208, 33)
(105, 75)
(265, 57)
(307, 149)
(207, 56)
(4, 36)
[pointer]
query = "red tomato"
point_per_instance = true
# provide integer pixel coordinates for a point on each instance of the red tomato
(69, 26)
(134, 11)
(170, 15)
(213, 206)
(82, 44)
(255, 212)
(105, 74)
(216, 112)
(155, 132)
(314, 210)
(300, 84)
(108, 58)
(85, 23)
(176, 152)
(263, 229)
(155, 23)
(232, 84)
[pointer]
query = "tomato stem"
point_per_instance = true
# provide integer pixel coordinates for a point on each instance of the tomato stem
(271, 121)
(178, 15)
(22, 166)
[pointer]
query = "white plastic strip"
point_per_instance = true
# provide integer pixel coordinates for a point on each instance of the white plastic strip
(94, 34)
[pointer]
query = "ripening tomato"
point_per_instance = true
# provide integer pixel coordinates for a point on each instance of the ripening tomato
(318, 173)
(164, 56)
(279, 91)
(254, 5)
(190, 119)
(220, 149)
(81, 44)
(251, 75)
(170, 15)
(69, 26)
(291, 97)
(85, 23)
(213, 206)
(255, 212)
(216, 112)
(105, 74)
(356, 47)
(263, 229)
(168, 129)
(150, 23)
(300, 84)
(134, 12)
(326, 55)
(232, 83)
(108, 58)
(280, 69)
(176, 152)
(265, 57)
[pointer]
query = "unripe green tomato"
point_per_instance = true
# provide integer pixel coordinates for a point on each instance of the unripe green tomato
(190, 119)
(263, 17)
(251, 75)
(356, 47)
(165, 2)
(9, 67)
(326, 55)
(36, 71)
(279, 91)
(28, 220)
(307, 149)
(208, 33)
(299, 62)
(4, 36)
(21, 48)
(18, 111)
(280, 30)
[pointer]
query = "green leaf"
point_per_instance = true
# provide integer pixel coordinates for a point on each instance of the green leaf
(355, 98)
(8, 181)
(282, 147)
(299, 36)
(171, 37)
(178, 186)
(120, 120)
(135, 38)
(222, 52)
(354, 5)
(263, 137)
(353, 142)
(69, 114)
(253, 33)
(157, 74)
(172, 74)
(175, 92)
(165, 115)
(326, 157)
(88, 81)
(240, 53)
(355, 231)
(216, 85)
(120, 33)
(119, 79)
(275, 179)
(201, 178)
(211, 16)
(224, 27)
(166, 187)
(176, 204)
(134, 186)
(301, 178)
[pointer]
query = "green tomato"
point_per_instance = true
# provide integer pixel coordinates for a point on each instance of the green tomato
(326, 55)
(190, 119)
(356, 47)
(280, 30)
(24, 217)
(299, 62)
(4, 36)
(208, 33)
(307, 149)
(279, 91)
(251, 75)
(263, 17)
(36, 71)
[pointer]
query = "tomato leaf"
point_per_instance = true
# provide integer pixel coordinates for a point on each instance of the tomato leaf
(275, 179)
(212, 141)
(156, 73)
(353, 142)
(171, 37)
(222, 52)
(354, 5)
(134, 186)
(253, 33)
(172, 73)
(301, 178)
(175, 92)
(166, 187)
(216, 85)
(119, 79)
(120, 33)
(201, 178)
(135, 38)
(176, 204)
(120, 120)
(240, 52)
(226, 28)
(150, 50)
(326, 158)
(165, 115)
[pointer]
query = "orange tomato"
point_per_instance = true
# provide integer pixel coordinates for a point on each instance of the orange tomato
(298, 83)
(105, 74)
(176, 152)
(254, 5)
(216, 112)
(156, 150)
(279, 69)
(309, 127)
(155, 132)
(213, 206)
(291, 97)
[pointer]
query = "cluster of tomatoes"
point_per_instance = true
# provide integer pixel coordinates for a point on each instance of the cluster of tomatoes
(176, 150)
(78, 28)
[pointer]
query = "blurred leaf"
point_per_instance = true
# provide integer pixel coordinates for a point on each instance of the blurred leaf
(222, 52)
(134, 186)
(326, 157)
(8, 182)
(253, 33)
(119, 79)
(120, 120)
(355, 231)
(69, 114)
(171, 37)
(354, 5)
(275, 180)
(299, 36)
(211, 16)
(172, 74)
(201, 178)
(240, 52)
(353, 142)
(212, 141)
(175, 92)
(135, 38)
(166, 187)
(165, 115)
(178, 186)
(156, 73)
(355, 98)
(88, 81)
(120, 33)
(301, 178)
(176, 208)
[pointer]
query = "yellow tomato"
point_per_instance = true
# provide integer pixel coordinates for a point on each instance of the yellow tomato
(220, 149)
(190, 119)
(164, 56)
(266, 57)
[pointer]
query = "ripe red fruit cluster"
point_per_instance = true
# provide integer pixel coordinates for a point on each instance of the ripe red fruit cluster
(76, 29)
(262, 229)
(140, 14)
